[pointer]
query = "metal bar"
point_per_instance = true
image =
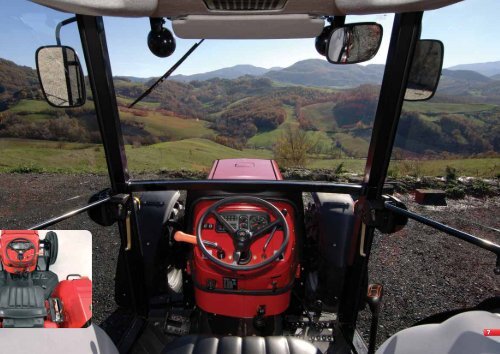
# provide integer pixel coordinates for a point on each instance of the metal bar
(404, 37)
(59, 25)
(485, 244)
(95, 49)
(242, 185)
(94, 46)
(68, 215)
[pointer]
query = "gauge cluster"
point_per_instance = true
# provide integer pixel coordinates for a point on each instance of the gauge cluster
(252, 221)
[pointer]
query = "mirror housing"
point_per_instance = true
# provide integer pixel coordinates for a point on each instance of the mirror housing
(425, 70)
(61, 76)
(354, 43)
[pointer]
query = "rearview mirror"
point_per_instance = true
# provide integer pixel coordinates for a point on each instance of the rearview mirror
(425, 70)
(354, 43)
(60, 75)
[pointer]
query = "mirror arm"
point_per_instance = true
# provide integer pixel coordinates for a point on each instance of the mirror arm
(484, 244)
(59, 25)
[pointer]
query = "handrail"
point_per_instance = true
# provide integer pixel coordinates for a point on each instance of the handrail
(477, 241)
(69, 214)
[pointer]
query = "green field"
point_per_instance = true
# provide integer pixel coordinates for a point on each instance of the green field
(449, 108)
(52, 156)
(174, 128)
(23, 155)
(30, 106)
(142, 104)
(321, 115)
(266, 140)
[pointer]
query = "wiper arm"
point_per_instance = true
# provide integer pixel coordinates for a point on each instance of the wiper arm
(167, 74)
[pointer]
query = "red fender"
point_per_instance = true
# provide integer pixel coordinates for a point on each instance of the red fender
(76, 298)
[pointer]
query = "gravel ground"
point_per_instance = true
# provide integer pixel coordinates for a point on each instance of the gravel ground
(423, 271)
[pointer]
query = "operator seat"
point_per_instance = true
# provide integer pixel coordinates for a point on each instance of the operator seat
(460, 334)
(197, 344)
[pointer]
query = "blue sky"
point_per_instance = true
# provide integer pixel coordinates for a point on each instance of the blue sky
(468, 29)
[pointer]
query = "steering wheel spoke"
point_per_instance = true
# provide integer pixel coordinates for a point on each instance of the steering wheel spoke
(227, 226)
(267, 229)
(236, 257)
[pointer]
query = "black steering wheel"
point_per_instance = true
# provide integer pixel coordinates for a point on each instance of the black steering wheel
(243, 238)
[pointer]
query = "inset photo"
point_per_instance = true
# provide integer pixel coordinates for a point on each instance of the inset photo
(45, 279)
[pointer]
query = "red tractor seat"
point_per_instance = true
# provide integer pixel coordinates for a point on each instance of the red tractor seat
(195, 344)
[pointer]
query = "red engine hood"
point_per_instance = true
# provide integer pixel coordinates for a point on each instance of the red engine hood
(251, 169)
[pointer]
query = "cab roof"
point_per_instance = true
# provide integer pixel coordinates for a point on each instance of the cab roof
(176, 8)
(242, 19)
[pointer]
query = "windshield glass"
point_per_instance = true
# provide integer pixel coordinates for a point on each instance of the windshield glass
(271, 99)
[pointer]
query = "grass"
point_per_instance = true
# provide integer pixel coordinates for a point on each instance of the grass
(355, 145)
(448, 108)
(24, 155)
(64, 157)
(141, 104)
(351, 165)
(173, 127)
(50, 156)
(476, 167)
(191, 154)
(30, 106)
(266, 140)
(321, 115)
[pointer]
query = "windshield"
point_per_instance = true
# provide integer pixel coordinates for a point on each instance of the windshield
(242, 99)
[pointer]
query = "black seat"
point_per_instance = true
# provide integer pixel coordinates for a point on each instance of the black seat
(195, 344)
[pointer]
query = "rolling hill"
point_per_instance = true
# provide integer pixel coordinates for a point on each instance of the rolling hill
(233, 72)
(487, 69)
(317, 72)
(250, 113)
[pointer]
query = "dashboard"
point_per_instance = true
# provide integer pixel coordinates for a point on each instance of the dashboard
(247, 220)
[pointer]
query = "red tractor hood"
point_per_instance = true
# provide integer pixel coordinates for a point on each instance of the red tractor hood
(251, 169)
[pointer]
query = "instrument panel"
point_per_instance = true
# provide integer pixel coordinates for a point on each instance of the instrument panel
(247, 220)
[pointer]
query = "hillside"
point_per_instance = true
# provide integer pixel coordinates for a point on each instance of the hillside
(250, 113)
(233, 72)
(16, 82)
(317, 72)
(487, 69)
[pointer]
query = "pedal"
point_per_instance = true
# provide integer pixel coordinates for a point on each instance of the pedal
(178, 322)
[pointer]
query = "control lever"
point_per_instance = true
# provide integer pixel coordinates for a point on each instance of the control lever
(374, 300)
(180, 236)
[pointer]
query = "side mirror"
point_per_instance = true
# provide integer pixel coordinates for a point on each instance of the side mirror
(354, 43)
(425, 70)
(60, 75)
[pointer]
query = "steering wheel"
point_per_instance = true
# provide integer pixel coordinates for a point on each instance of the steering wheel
(243, 238)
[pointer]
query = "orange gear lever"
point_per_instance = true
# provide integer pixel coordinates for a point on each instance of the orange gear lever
(180, 236)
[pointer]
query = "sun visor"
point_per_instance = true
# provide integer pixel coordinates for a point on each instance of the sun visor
(247, 27)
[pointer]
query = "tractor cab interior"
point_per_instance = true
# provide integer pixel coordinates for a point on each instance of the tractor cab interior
(237, 262)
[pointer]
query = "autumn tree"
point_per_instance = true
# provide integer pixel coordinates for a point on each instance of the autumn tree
(293, 147)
